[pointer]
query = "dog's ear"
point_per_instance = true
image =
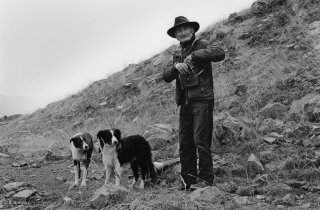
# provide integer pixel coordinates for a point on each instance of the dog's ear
(99, 136)
(101, 143)
(117, 133)
(72, 139)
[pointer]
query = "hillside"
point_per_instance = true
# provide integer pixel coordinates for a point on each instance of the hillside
(267, 103)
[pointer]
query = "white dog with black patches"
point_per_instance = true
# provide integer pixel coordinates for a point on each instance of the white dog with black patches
(81, 147)
(117, 151)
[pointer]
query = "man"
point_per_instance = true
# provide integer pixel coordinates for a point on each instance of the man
(196, 103)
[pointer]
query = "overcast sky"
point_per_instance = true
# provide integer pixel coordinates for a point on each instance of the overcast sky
(53, 48)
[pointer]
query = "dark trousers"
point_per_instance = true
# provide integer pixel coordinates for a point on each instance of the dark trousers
(195, 134)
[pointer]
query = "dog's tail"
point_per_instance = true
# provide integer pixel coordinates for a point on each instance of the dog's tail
(151, 171)
(158, 167)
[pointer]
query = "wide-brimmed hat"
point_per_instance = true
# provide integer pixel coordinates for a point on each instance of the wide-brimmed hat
(180, 20)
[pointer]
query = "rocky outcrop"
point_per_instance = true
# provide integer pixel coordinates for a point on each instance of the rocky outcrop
(273, 111)
(308, 107)
(228, 129)
(159, 135)
(108, 195)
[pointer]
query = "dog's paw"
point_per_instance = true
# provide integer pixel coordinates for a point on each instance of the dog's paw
(83, 184)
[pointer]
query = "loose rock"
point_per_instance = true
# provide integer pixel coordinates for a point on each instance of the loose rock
(254, 166)
(24, 195)
(14, 186)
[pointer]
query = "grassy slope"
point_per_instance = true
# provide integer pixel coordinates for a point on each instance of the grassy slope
(262, 62)
(277, 49)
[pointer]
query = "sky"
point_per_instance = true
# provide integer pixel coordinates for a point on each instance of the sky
(50, 49)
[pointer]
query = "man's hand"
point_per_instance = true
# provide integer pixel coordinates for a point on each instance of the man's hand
(183, 68)
(187, 59)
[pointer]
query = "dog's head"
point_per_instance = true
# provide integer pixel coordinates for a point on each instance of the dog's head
(109, 137)
(79, 142)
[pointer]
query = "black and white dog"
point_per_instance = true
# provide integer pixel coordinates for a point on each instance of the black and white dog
(117, 151)
(81, 146)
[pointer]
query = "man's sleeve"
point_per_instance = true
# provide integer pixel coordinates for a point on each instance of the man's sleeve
(170, 74)
(212, 53)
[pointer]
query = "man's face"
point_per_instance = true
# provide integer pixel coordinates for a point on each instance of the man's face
(184, 33)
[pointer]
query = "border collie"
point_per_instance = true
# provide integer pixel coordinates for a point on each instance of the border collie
(81, 146)
(117, 151)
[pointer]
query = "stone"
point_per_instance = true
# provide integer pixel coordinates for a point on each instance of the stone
(103, 104)
(258, 8)
(269, 139)
(289, 199)
(20, 164)
(245, 191)
(276, 135)
(24, 195)
(104, 195)
(273, 111)
(9, 194)
(254, 166)
(240, 200)
(159, 135)
(212, 195)
(158, 141)
(270, 125)
(14, 186)
(35, 165)
(227, 129)
(315, 189)
(306, 107)
(306, 143)
(4, 155)
(261, 197)
(306, 206)
(136, 120)
(55, 152)
(67, 200)
(273, 137)
(295, 183)
(314, 28)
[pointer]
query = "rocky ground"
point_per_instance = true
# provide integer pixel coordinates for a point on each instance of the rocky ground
(277, 171)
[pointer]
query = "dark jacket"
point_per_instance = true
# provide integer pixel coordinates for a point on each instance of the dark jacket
(201, 57)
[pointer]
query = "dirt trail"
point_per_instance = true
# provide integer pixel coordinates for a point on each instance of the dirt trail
(51, 180)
